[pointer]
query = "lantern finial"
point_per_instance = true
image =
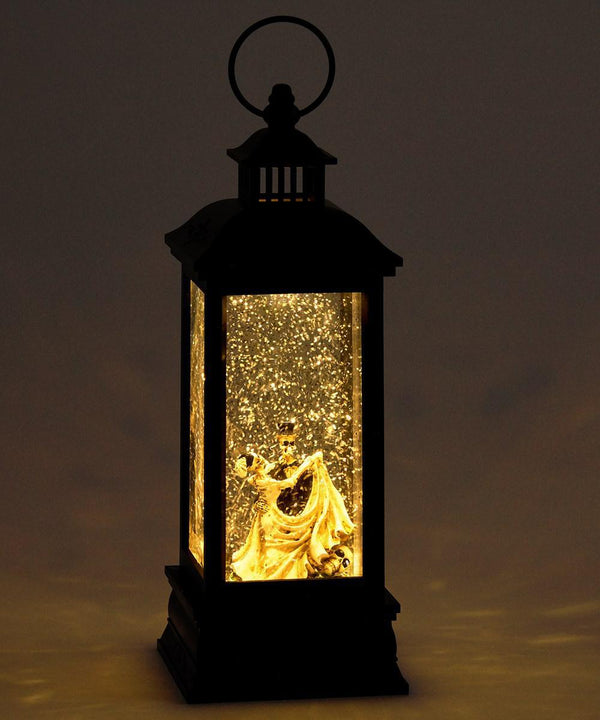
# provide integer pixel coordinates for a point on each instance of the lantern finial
(281, 113)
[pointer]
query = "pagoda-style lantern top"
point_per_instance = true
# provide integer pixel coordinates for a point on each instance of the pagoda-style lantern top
(281, 430)
(279, 164)
(281, 208)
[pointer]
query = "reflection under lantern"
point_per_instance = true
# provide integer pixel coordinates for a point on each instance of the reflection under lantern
(293, 374)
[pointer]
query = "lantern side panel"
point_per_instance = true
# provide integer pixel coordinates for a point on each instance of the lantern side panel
(196, 465)
(293, 436)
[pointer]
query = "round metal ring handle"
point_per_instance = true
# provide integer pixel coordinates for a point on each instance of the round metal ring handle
(269, 21)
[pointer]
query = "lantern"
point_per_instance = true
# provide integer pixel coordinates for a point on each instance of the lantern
(279, 591)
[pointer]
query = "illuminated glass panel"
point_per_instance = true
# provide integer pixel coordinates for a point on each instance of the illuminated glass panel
(293, 436)
(196, 480)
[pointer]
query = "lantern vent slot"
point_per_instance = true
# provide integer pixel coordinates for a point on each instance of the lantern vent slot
(288, 184)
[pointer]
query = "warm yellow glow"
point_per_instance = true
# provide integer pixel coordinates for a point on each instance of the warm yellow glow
(196, 488)
(293, 501)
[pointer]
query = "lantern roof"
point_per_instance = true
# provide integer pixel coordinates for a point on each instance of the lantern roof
(288, 147)
(230, 241)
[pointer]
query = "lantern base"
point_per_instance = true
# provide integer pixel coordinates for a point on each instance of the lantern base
(262, 650)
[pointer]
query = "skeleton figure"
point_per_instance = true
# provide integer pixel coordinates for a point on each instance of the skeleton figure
(281, 546)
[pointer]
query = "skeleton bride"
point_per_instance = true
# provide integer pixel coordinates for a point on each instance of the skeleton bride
(281, 546)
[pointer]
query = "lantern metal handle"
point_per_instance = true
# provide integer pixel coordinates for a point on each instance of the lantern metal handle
(269, 21)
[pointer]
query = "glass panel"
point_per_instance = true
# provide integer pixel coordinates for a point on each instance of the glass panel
(294, 443)
(196, 496)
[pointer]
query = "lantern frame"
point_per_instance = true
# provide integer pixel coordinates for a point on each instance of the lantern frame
(229, 248)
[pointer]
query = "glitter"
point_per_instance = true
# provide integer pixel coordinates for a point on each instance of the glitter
(294, 355)
(196, 478)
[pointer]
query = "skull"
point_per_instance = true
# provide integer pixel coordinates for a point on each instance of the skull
(338, 562)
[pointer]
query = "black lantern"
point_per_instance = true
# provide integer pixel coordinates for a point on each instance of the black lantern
(279, 591)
